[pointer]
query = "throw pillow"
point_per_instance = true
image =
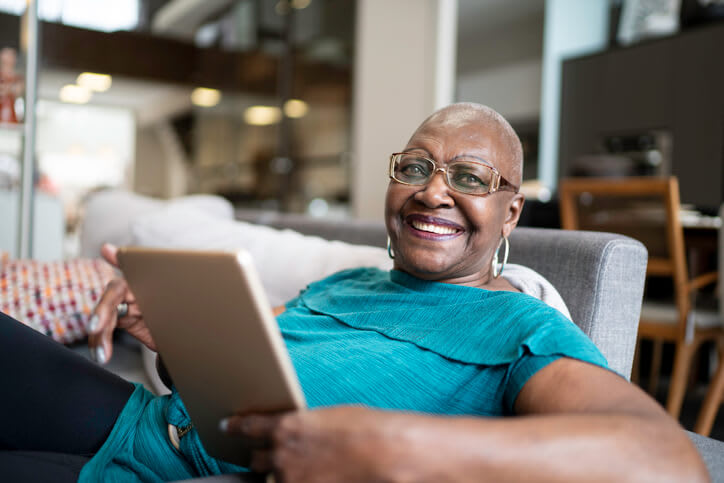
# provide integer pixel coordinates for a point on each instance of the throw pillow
(108, 215)
(55, 298)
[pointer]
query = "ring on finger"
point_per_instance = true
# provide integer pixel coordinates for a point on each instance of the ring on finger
(122, 309)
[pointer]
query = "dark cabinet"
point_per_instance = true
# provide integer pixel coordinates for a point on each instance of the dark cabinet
(674, 85)
(634, 83)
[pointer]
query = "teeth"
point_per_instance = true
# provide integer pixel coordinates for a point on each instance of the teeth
(440, 230)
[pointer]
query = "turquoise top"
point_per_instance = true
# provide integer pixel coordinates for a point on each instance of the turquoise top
(375, 338)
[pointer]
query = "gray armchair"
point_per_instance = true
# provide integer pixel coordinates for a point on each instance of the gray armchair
(599, 275)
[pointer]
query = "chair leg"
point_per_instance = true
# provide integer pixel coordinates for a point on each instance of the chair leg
(679, 375)
(657, 348)
(713, 399)
(636, 367)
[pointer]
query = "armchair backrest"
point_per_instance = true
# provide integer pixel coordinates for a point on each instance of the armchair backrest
(600, 277)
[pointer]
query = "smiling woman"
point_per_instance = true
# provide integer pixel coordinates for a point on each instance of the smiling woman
(421, 373)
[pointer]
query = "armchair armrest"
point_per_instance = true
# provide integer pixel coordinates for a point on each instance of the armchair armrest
(711, 451)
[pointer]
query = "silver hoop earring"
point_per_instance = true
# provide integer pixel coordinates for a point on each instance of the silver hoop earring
(390, 253)
(496, 271)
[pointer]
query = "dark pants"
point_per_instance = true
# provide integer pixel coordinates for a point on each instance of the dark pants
(56, 407)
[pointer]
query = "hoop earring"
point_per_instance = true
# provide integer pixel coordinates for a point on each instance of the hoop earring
(496, 271)
(390, 253)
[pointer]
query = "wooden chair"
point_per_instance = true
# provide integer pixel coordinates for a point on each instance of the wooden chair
(648, 209)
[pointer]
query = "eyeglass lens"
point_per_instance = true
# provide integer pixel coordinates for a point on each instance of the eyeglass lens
(465, 176)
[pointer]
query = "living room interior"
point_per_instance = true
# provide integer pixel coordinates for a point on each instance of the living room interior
(276, 111)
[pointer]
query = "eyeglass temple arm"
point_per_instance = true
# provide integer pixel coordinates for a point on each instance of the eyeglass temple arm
(505, 185)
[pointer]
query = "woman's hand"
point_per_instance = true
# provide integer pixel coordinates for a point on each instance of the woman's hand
(105, 315)
(343, 443)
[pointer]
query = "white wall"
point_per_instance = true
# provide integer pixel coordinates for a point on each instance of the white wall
(572, 28)
(511, 89)
(508, 41)
(150, 170)
(161, 168)
(81, 147)
(404, 70)
(499, 61)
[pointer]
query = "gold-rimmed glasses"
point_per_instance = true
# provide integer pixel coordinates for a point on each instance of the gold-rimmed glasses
(466, 176)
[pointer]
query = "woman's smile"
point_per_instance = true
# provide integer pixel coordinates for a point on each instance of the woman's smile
(432, 228)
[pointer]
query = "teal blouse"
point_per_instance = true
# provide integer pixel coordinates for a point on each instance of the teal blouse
(380, 339)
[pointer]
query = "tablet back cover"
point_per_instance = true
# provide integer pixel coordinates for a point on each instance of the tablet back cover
(213, 326)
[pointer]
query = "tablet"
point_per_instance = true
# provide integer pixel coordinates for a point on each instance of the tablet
(214, 328)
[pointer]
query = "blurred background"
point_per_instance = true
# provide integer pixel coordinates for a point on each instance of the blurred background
(295, 106)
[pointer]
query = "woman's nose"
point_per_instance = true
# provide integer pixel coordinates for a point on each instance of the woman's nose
(436, 193)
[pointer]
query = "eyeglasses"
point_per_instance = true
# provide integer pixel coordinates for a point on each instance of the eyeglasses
(469, 177)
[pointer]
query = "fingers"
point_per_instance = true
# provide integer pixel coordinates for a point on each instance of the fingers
(258, 430)
(104, 321)
(109, 253)
(255, 426)
(261, 461)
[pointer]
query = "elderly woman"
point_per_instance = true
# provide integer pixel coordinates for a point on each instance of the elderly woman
(411, 373)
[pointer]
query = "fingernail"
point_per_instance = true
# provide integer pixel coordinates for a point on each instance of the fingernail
(100, 355)
(224, 425)
(93, 323)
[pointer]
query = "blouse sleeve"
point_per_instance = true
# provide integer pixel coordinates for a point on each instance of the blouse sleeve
(519, 372)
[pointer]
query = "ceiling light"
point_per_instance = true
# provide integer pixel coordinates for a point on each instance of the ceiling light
(204, 97)
(75, 94)
(300, 4)
(94, 82)
(262, 115)
(295, 108)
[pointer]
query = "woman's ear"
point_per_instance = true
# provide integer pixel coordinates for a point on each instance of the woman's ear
(515, 206)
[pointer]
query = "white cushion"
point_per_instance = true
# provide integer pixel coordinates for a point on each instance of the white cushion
(534, 284)
(668, 314)
(108, 215)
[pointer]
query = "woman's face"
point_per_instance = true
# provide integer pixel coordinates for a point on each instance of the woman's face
(441, 234)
